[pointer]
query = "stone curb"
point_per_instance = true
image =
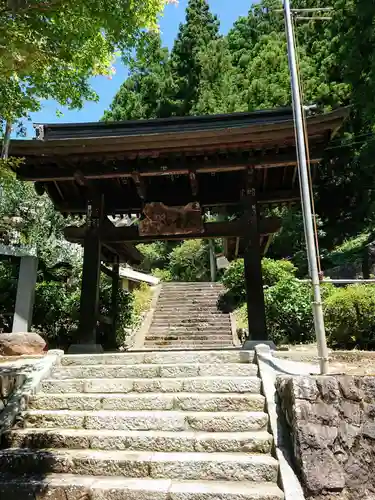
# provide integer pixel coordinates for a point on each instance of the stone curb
(19, 400)
(268, 370)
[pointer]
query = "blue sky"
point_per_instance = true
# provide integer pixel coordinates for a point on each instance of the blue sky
(227, 11)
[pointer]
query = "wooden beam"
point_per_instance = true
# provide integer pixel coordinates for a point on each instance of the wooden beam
(159, 166)
(211, 230)
(115, 207)
(108, 272)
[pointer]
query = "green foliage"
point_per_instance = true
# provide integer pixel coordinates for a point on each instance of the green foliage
(276, 270)
(189, 261)
(350, 317)
(351, 251)
(162, 274)
(50, 51)
(156, 254)
(200, 28)
(273, 272)
(234, 281)
(142, 301)
(288, 312)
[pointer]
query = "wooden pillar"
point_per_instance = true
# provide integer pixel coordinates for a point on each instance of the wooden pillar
(253, 264)
(115, 290)
(86, 341)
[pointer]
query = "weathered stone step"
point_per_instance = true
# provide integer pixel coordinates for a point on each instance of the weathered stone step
(56, 486)
(160, 357)
(188, 344)
(137, 464)
(215, 316)
(188, 296)
(156, 371)
(166, 441)
(189, 336)
(149, 401)
(191, 284)
(147, 420)
(199, 328)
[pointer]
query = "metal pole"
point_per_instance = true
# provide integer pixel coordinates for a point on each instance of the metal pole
(305, 194)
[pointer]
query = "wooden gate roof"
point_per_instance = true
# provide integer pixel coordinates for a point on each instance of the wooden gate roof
(172, 160)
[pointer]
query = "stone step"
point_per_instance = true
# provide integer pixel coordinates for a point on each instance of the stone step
(218, 316)
(164, 441)
(192, 284)
(160, 357)
(171, 334)
(149, 401)
(156, 371)
(138, 464)
(188, 344)
(199, 328)
(189, 296)
(146, 420)
(75, 487)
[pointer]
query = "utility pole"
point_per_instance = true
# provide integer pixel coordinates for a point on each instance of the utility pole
(305, 193)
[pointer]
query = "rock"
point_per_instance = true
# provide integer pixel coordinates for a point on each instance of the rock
(16, 344)
(328, 388)
(322, 472)
(304, 388)
(369, 430)
(350, 388)
(316, 435)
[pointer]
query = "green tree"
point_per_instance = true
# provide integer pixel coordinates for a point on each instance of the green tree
(200, 28)
(148, 91)
(50, 50)
(218, 89)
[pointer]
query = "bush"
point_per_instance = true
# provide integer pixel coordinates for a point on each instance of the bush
(289, 312)
(276, 270)
(190, 261)
(162, 274)
(234, 281)
(350, 317)
(273, 272)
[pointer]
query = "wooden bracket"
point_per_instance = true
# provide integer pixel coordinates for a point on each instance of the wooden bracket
(193, 182)
(140, 185)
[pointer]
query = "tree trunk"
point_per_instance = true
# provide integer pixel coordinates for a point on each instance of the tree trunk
(6, 140)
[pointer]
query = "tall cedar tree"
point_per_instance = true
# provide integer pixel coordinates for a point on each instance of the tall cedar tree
(201, 28)
(149, 90)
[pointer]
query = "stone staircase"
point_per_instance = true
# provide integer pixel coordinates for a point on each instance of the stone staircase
(187, 317)
(162, 425)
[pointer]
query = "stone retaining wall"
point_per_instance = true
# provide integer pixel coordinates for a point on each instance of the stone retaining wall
(10, 381)
(332, 427)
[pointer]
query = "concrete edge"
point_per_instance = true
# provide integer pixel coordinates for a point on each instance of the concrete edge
(20, 398)
(140, 335)
(268, 371)
(236, 341)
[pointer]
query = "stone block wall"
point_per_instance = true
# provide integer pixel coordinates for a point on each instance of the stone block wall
(10, 381)
(332, 427)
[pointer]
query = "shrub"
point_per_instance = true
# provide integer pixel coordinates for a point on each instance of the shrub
(162, 274)
(234, 281)
(156, 254)
(350, 317)
(273, 272)
(288, 312)
(276, 270)
(190, 261)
